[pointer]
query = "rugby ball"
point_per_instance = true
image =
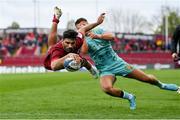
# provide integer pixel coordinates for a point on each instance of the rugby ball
(71, 65)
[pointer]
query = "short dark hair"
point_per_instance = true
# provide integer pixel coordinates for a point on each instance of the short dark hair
(79, 20)
(71, 34)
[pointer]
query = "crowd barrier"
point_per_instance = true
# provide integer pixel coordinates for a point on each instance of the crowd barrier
(140, 60)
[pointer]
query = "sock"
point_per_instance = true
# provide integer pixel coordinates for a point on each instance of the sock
(130, 98)
(159, 84)
(55, 19)
(127, 95)
(91, 70)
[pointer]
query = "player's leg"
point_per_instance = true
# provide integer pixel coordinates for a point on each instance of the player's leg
(174, 44)
(107, 83)
(148, 78)
(85, 63)
(52, 38)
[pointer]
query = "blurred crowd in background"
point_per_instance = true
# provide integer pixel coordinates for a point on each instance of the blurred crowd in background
(33, 42)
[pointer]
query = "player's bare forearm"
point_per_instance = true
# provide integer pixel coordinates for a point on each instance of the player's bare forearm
(88, 27)
(58, 64)
(104, 36)
(107, 36)
(84, 48)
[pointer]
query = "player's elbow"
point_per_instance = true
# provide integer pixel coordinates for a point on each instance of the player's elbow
(109, 36)
(84, 49)
(55, 66)
(82, 31)
(83, 52)
(112, 36)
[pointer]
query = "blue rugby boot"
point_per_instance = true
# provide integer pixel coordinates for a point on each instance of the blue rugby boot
(132, 102)
(172, 87)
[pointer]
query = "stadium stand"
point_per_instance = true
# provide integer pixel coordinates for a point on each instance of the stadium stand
(27, 46)
(22, 61)
(147, 58)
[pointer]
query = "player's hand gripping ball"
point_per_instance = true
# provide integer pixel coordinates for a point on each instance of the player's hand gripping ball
(71, 65)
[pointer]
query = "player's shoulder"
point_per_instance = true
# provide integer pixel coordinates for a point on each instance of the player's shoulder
(80, 35)
(79, 39)
(57, 46)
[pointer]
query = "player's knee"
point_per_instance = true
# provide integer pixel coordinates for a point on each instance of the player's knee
(151, 77)
(106, 88)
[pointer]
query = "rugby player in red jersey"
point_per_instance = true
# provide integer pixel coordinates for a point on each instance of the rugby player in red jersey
(69, 46)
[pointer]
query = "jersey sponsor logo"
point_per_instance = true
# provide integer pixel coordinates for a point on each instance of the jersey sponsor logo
(80, 35)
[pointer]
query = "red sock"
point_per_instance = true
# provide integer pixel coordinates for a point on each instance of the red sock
(55, 19)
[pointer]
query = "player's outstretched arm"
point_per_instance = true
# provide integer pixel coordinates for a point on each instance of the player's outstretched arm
(84, 48)
(88, 27)
(58, 64)
(52, 37)
(103, 36)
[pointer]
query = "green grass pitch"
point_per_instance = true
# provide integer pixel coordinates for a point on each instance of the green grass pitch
(77, 95)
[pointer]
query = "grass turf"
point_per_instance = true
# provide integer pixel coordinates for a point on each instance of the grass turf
(76, 95)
